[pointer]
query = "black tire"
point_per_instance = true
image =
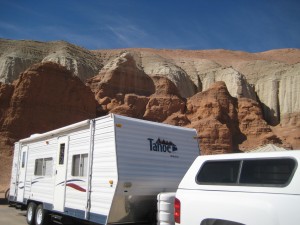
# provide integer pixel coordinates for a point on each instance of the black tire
(30, 214)
(41, 216)
(7, 194)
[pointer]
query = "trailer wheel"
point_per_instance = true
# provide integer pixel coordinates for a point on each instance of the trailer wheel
(30, 214)
(41, 216)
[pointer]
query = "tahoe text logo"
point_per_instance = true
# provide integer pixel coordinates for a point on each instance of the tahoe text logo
(163, 146)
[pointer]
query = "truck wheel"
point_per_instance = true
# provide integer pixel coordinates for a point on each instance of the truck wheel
(41, 216)
(30, 214)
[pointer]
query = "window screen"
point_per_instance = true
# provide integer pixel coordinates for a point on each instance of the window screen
(80, 165)
(48, 166)
(38, 167)
(75, 165)
(267, 171)
(219, 172)
(43, 167)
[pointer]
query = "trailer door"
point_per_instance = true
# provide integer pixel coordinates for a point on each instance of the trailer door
(60, 174)
(22, 174)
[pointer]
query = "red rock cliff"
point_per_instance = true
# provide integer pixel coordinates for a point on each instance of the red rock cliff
(45, 97)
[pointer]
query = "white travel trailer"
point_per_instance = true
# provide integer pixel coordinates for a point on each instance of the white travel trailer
(107, 170)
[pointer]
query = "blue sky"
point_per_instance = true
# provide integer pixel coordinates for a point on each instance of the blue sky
(247, 25)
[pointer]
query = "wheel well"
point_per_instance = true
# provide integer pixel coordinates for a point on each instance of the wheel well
(36, 202)
(214, 221)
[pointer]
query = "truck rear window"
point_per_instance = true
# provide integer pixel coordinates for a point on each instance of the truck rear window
(267, 172)
(217, 172)
(247, 172)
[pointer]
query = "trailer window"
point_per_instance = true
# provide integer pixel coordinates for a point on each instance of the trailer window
(79, 165)
(23, 159)
(61, 154)
(43, 167)
(38, 167)
(267, 171)
(219, 172)
(48, 167)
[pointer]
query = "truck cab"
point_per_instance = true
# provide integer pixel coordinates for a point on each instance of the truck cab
(242, 188)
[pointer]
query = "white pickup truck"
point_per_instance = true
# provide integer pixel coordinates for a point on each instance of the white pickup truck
(238, 189)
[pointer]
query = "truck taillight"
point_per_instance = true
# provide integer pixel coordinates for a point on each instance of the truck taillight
(177, 210)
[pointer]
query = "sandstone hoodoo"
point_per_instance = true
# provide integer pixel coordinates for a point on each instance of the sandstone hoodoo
(121, 75)
(165, 101)
(226, 124)
(213, 113)
(46, 96)
(122, 87)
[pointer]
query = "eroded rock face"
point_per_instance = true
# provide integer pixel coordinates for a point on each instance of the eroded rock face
(6, 142)
(45, 97)
(223, 119)
(134, 106)
(165, 101)
(160, 107)
(230, 98)
(226, 124)
(213, 114)
(253, 126)
(164, 86)
(121, 75)
(158, 66)
(17, 56)
(11, 65)
(155, 97)
(276, 87)
(271, 77)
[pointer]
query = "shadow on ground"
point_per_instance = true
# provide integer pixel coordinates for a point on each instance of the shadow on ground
(3, 201)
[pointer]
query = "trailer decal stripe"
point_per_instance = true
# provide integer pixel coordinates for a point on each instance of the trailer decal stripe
(69, 181)
(76, 187)
(38, 178)
(72, 185)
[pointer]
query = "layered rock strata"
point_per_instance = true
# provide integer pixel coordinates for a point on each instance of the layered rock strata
(271, 77)
(235, 100)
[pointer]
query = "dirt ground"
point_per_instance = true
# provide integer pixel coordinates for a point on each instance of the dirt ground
(9, 215)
